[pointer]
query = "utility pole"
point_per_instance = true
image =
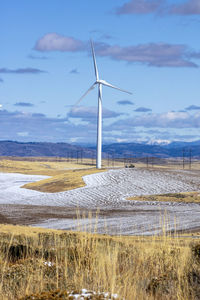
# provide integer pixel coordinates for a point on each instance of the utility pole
(183, 158)
(77, 157)
(113, 158)
(190, 151)
(81, 156)
(72, 155)
(124, 160)
(147, 160)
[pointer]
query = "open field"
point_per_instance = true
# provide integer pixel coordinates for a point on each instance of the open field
(161, 262)
(55, 201)
(45, 264)
(49, 166)
(57, 165)
(105, 194)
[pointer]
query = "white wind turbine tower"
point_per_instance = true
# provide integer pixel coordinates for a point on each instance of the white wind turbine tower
(99, 83)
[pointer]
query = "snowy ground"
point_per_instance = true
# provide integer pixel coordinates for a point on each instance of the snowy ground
(108, 192)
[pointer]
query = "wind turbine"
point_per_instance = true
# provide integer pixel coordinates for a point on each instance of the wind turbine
(99, 82)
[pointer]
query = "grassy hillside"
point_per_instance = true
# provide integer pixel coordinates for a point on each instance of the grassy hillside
(46, 264)
(64, 175)
(67, 181)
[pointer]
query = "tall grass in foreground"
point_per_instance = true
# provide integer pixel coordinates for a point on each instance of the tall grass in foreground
(133, 267)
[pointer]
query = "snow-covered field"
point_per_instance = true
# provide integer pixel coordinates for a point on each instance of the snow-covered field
(108, 192)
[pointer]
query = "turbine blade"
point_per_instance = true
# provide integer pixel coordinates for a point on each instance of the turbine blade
(114, 87)
(94, 61)
(87, 92)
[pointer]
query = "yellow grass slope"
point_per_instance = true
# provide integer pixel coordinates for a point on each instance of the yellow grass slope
(188, 197)
(67, 181)
(39, 165)
(64, 175)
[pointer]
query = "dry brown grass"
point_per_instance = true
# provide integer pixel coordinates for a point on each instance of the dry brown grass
(160, 268)
(65, 175)
(39, 165)
(188, 197)
(25, 231)
(67, 181)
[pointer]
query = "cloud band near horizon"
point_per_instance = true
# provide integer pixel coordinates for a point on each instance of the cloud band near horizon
(38, 127)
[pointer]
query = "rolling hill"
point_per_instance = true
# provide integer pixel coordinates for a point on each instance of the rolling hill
(174, 149)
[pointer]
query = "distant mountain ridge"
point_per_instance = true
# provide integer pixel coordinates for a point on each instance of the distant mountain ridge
(134, 149)
(13, 148)
(174, 149)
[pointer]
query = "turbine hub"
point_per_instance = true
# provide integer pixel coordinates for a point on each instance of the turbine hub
(100, 81)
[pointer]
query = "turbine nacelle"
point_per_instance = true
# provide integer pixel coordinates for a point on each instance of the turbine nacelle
(100, 81)
(105, 83)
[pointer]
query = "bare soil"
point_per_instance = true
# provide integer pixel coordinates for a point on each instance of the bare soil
(33, 214)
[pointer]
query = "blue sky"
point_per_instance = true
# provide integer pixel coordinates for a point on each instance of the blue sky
(149, 47)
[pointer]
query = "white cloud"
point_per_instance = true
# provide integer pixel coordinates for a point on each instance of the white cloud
(184, 8)
(142, 109)
(139, 7)
(190, 7)
(125, 102)
(163, 120)
(23, 133)
(87, 113)
(38, 127)
(26, 126)
(21, 71)
(57, 42)
(151, 54)
(193, 107)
